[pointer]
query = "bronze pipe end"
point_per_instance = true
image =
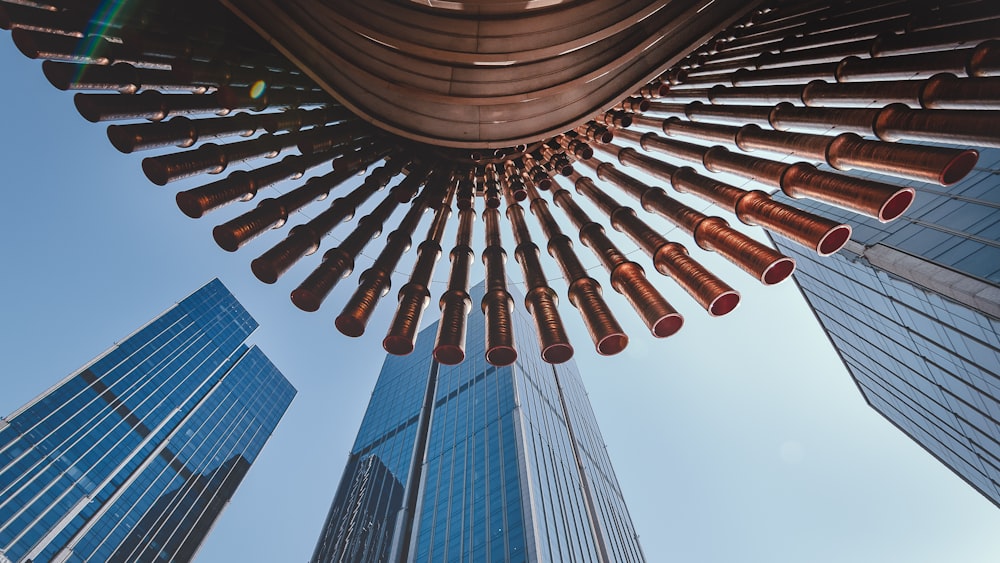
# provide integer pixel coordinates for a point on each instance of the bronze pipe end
(309, 295)
(402, 334)
(659, 316)
(268, 267)
(822, 235)
(449, 347)
(609, 338)
(715, 295)
(875, 199)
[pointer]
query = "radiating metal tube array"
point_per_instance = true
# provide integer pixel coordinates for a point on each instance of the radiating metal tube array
(788, 86)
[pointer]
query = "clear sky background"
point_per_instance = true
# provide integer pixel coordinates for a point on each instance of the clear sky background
(740, 439)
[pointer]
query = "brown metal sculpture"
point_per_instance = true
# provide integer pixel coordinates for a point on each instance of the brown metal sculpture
(792, 96)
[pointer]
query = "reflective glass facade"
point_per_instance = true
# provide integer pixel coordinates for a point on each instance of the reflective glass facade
(134, 456)
(912, 312)
(478, 463)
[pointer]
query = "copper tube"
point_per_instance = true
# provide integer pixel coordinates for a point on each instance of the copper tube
(940, 165)
(497, 304)
(734, 115)
(539, 298)
(815, 232)
(674, 126)
(243, 185)
(651, 90)
(584, 292)
(903, 67)
(555, 161)
(575, 146)
(614, 118)
(665, 109)
(958, 15)
(533, 172)
(874, 199)
(710, 233)
(767, 95)
(785, 75)
(751, 137)
(455, 303)
(822, 235)
(415, 295)
(784, 117)
(825, 54)
(950, 37)
(897, 122)
(180, 131)
(669, 258)
(213, 158)
(594, 132)
(633, 105)
(514, 183)
(274, 212)
(862, 94)
(155, 106)
(305, 239)
(677, 97)
(374, 283)
(338, 262)
(323, 138)
(296, 119)
(677, 149)
(946, 91)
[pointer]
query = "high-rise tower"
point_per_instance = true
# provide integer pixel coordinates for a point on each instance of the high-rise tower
(913, 308)
(480, 463)
(134, 456)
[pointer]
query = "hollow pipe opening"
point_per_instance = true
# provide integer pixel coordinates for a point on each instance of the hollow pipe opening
(833, 240)
(557, 353)
(724, 303)
(397, 345)
(501, 355)
(667, 325)
(958, 167)
(612, 344)
(349, 326)
(778, 271)
(306, 299)
(449, 354)
(896, 205)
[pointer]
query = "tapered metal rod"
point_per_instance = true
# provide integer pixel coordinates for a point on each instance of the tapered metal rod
(846, 151)
(375, 282)
(338, 262)
(243, 185)
(710, 233)
(539, 299)
(155, 106)
(212, 158)
(415, 295)
(627, 277)
(669, 258)
(274, 212)
(497, 304)
(304, 239)
(884, 202)
(455, 302)
(584, 291)
(754, 207)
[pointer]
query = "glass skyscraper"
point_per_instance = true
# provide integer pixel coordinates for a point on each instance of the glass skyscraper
(474, 462)
(134, 456)
(913, 308)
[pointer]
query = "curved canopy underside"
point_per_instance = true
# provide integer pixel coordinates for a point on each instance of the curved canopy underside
(451, 75)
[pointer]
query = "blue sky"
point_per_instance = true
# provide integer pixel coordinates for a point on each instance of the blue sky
(741, 438)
